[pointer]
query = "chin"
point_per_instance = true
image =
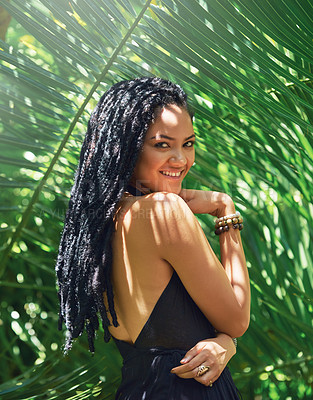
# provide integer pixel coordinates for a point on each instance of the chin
(176, 191)
(169, 190)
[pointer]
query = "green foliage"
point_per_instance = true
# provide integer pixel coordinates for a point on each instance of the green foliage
(248, 73)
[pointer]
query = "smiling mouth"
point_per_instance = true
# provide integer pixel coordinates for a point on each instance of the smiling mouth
(174, 175)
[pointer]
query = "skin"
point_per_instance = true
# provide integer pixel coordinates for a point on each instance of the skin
(160, 229)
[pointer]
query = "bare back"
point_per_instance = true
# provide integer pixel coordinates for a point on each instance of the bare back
(139, 274)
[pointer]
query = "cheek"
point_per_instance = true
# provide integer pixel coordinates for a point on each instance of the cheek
(151, 160)
(145, 165)
(191, 159)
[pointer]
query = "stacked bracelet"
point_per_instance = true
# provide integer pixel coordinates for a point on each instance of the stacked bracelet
(224, 223)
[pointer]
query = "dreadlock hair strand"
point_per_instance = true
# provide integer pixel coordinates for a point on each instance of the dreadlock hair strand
(114, 138)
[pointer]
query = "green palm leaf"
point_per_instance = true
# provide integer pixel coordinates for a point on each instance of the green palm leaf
(247, 70)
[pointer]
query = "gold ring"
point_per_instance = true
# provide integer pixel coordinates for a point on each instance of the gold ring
(210, 383)
(202, 369)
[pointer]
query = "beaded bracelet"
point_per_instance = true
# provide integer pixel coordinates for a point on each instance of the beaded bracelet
(223, 224)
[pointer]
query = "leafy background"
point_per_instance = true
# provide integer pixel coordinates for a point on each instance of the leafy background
(247, 68)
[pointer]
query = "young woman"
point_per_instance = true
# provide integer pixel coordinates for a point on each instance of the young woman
(131, 230)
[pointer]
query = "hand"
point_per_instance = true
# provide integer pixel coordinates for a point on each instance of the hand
(208, 202)
(214, 353)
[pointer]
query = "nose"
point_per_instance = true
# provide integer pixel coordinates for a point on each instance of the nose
(178, 159)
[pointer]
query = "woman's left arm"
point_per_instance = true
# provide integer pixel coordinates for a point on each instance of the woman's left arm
(231, 249)
(214, 353)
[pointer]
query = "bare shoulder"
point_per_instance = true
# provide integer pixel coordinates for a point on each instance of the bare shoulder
(163, 207)
(166, 216)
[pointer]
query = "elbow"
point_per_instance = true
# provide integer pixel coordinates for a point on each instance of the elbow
(243, 326)
(240, 327)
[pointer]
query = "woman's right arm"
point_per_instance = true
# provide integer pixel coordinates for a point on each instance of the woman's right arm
(182, 243)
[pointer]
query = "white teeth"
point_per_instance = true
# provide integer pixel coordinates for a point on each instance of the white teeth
(171, 173)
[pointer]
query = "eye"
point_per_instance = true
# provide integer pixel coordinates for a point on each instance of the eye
(162, 145)
(190, 143)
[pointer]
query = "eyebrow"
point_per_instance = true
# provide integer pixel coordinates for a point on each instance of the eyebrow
(170, 138)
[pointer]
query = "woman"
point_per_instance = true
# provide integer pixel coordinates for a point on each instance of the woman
(131, 230)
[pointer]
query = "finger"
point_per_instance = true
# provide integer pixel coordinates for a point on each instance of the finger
(190, 355)
(189, 374)
(193, 373)
(193, 352)
(207, 379)
(187, 194)
(192, 364)
(183, 194)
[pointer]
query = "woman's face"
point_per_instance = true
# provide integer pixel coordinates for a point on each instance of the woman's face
(168, 152)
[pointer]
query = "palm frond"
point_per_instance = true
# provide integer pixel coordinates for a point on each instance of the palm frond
(248, 72)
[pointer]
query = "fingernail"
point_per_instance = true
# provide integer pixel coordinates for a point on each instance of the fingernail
(184, 360)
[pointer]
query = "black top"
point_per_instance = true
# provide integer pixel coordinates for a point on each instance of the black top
(175, 325)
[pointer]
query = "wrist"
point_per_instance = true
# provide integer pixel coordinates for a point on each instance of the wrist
(227, 342)
(227, 207)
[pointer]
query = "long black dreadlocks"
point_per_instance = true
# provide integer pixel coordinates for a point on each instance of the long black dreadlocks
(114, 138)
